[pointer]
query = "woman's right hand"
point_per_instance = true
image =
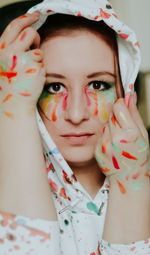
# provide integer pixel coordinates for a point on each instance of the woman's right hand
(22, 73)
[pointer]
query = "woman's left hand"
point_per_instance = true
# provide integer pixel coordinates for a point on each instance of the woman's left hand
(122, 151)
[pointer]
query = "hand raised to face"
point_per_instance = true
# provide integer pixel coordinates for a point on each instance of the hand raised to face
(123, 151)
(22, 75)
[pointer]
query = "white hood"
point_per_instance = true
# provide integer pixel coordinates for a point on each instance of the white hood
(72, 202)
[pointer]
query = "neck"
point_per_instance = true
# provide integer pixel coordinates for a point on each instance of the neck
(89, 175)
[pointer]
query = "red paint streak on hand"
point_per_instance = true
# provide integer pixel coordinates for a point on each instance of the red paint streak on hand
(105, 170)
(22, 17)
(31, 70)
(7, 98)
(135, 176)
(115, 163)
(3, 46)
(128, 155)
(9, 115)
(23, 36)
(9, 75)
(123, 141)
(121, 187)
(113, 119)
(14, 63)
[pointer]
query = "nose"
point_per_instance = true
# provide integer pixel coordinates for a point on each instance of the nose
(77, 109)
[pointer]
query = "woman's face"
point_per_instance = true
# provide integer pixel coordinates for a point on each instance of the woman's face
(79, 92)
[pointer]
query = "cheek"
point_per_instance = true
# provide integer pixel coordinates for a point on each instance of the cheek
(53, 105)
(101, 103)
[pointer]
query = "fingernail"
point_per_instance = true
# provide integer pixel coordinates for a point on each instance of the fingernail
(127, 99)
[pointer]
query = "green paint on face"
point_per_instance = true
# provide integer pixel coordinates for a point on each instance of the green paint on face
(93, 207)
(115, 147)
(110, 94)
(136, 186)
(24, 84)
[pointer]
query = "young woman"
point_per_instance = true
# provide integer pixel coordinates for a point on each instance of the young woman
(75, 74)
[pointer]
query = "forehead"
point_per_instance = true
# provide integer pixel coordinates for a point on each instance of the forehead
(81, 51)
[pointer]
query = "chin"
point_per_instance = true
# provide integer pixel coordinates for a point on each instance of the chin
(78, 155)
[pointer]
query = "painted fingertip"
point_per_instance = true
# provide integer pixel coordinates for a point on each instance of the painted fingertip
(127, 98)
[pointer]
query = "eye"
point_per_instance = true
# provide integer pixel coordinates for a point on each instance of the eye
(54, 88)
(100, 85)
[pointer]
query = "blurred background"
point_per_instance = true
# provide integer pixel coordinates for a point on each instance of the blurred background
(134, 13)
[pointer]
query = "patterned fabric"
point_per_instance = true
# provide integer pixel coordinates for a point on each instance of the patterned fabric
(80, 218)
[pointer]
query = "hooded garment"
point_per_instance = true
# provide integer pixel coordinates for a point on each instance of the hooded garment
(80, 218)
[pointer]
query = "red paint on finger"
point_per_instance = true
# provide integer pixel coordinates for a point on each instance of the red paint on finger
(135, 176)
(104, 130)
(115, 162)
(113, 119)
(128, 155)
(14, 62)
(23, 36)
(104, 145)
(127, 98)
(3, 46)
(123, 141)
(22, 17)
(121, 187)
(105, 170)
(31, 70)
(42, 65)
(7, 98)
(9, 115)
(9, 75)
(144, 163)
(0, 88)
(36, 53)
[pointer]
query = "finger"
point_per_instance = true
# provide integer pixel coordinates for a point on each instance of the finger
(136, 116)
(29, 38)
(16, 26)
(123, 115)
(36, 55)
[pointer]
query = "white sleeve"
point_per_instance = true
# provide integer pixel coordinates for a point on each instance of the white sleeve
(135, 248)
(23, 235)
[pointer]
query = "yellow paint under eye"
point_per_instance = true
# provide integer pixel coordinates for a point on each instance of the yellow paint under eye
(103, 111)
(44, 103)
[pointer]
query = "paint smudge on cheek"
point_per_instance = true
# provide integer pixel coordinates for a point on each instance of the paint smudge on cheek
(103, 107)
(45, 102)
(87, 97)
(65, 98)
(95, 96)
(53, 116)
(3, 46)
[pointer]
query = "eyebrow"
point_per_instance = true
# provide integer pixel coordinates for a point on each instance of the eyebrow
(92, 75)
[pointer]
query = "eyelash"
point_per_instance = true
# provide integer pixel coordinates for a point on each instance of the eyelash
(107, 86)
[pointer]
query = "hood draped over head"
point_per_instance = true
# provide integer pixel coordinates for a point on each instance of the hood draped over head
(69, 195)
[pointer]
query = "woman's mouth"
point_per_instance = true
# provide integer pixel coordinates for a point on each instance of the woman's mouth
(77, 138)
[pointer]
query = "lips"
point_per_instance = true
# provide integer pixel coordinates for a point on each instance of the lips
(77, 134)
(79, 138)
